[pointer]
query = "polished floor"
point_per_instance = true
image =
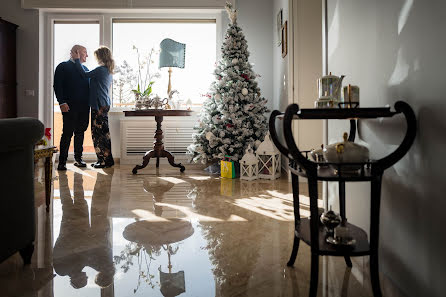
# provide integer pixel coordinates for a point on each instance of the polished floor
(163, 233)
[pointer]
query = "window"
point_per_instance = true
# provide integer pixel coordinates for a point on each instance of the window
(133, 36)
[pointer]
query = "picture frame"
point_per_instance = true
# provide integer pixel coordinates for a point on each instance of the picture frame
(284, 36)
(279, 27)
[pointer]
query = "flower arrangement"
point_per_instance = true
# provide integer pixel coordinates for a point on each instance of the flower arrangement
(46, 137)
(145, 78)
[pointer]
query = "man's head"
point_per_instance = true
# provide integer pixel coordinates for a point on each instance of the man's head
(82, 52)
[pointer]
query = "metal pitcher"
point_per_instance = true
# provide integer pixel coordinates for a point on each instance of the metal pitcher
(329, 89)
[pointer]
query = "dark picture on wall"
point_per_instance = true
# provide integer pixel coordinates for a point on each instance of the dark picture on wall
(284, 39)
(279, 27)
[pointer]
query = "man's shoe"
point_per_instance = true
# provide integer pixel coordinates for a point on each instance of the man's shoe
(80, 163)
(97, 163)
(61, 167)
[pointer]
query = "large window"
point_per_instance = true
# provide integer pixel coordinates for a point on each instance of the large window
(142, 37)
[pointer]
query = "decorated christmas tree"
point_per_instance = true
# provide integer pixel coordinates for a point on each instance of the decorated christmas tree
(233, 114)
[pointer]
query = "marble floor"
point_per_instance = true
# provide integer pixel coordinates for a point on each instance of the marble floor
(166, 233)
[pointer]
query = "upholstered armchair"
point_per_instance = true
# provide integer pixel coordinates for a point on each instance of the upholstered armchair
(17, 210)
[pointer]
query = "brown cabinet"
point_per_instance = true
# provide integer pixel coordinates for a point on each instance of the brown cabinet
(8, 82)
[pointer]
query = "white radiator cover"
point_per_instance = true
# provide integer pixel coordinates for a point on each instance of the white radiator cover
(137, 136)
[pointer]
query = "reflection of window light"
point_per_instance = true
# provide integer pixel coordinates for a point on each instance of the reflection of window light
(190, 82)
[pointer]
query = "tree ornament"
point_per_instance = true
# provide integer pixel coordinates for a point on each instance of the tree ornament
(244, 91)
(217, 97)
(234, 61)
(209, 135)
(232, 13)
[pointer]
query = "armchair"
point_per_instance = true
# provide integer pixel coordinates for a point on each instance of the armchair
(17, 210)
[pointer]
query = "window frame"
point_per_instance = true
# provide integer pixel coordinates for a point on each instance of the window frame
(122, 20)
(105, 19)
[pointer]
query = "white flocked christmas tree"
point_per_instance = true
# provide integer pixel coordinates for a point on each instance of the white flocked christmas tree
(233, 114)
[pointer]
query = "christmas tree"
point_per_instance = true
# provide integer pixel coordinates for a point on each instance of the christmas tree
(233, 114)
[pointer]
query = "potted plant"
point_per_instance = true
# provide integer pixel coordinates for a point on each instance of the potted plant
(145, 78)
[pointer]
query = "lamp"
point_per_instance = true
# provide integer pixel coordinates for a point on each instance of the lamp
(172, 55)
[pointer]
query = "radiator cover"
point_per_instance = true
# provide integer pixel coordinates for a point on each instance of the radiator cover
(137, 136)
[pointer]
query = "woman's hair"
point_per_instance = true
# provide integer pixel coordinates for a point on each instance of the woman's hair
(104, 56)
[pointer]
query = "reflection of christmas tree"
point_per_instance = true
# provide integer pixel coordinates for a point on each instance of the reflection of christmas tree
(230, 243)
(233, 116)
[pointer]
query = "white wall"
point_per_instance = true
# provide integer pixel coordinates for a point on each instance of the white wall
(295, 75)
(254, 17)
(280, 65)
(307, 68)
(394, 50)
(27, 54)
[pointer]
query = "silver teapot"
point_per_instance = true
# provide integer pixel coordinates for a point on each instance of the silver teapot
(157, 102)
(329, 89)
(346, 152)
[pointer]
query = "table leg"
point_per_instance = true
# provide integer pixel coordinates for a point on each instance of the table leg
(158, 150)
(296, 206)
(171, 160)
(145, 161)
(48, 182)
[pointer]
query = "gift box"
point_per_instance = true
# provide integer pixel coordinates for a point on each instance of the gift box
(229, 168)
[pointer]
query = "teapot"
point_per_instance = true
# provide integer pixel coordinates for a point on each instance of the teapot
(317, 155)
(329, 89)
(346, 152)
(157, 102)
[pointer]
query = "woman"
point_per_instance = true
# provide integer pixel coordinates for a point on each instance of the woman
(100, 82)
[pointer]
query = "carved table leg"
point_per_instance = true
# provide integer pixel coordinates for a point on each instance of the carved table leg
(169, 157)
(145, 161)
(158, 150)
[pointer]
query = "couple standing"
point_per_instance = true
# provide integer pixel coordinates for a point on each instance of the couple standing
(77, 89)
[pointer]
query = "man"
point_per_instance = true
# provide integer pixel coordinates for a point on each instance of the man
(72, 93)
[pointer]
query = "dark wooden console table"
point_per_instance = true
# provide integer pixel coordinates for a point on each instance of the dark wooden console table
(310, 230)
(158, 145)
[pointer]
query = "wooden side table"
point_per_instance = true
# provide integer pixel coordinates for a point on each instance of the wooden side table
(47, 153)
(158, 150)
(310, 230)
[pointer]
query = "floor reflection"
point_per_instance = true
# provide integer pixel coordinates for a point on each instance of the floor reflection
(152, 238)
(161, 233)
(84, 239)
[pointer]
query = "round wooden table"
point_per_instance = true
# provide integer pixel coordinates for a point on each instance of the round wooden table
(158, 150)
